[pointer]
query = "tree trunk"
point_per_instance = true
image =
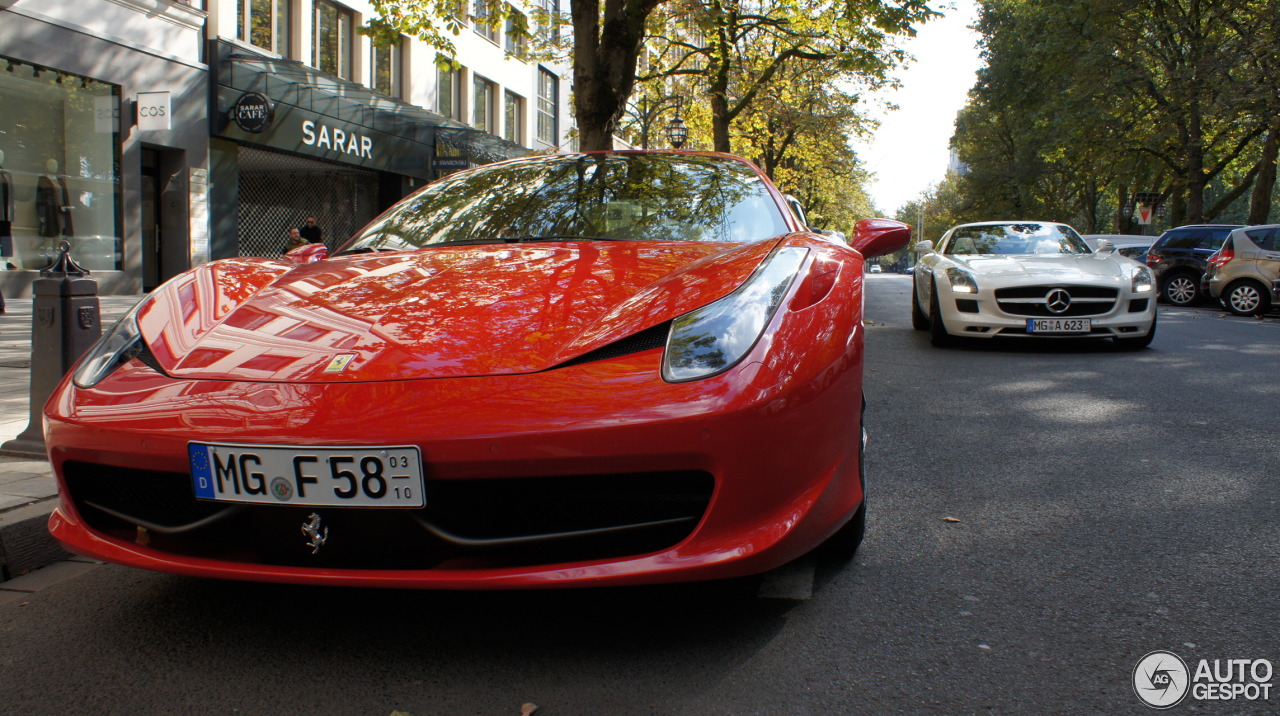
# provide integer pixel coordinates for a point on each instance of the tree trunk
(718, 83)
(1195, 168)
(604, 65)
(1260, 202)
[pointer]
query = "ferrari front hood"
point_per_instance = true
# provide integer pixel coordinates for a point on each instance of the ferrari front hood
(432, 313)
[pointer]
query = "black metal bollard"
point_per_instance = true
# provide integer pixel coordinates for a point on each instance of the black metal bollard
(65, 322)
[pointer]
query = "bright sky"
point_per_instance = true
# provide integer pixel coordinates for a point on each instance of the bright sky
(909, 153)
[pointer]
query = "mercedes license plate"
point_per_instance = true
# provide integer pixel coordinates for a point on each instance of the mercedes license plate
(1058, 325)
(304, 475)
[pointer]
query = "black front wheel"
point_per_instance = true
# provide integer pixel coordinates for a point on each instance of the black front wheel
(938, 335)
(1134, 344)
(844, 543)
(919, 321)
(1181, 289)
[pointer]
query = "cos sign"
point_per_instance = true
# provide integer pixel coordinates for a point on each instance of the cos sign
(155, 112)
(252, 112)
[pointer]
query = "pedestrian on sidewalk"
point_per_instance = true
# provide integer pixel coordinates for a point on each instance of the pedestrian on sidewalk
(294, 241)
(311, 231)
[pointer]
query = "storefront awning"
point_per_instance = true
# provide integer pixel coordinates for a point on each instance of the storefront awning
(293, 83)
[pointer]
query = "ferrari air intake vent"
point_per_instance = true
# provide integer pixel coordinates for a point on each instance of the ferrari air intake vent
(645, 340)
(467, 524)
(143, 353)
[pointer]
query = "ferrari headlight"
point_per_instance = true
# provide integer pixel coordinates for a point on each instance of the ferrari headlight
(1143, 280)
(117, 346)
(714, 338)
(961, 281)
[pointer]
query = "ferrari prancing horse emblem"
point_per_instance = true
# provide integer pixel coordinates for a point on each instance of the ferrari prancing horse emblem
(339, 363)
(316, 536)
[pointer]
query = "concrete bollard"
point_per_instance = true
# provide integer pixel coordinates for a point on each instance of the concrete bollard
(65, 321)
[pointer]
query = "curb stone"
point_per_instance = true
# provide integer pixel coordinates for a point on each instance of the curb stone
(25, 542)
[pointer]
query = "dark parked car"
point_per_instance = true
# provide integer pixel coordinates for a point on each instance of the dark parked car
(1179, 258)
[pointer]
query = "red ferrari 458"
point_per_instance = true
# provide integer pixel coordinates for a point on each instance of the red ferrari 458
(586, 369)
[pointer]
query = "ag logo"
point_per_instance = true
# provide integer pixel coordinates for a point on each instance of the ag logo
(1161, 679)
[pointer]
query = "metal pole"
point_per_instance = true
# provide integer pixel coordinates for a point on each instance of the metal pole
(65, 322)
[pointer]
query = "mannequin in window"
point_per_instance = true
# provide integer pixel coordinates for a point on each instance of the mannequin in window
(53, 203)
(6, 210)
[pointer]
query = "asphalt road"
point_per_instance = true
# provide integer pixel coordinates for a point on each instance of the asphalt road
(1040, 518)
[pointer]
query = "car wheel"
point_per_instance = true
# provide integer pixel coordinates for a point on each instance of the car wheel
(1181, 289)
(938, 335)
(919, 321)
(845, 542)
(843, 545)
(1135, 344)
(1246, 298)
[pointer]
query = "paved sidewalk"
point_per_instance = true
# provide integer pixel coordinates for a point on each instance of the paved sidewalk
(28, 492)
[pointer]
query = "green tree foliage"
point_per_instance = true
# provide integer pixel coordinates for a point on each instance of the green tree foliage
(606, 39)
(740, 51)
(799, 134)
(1082, 103)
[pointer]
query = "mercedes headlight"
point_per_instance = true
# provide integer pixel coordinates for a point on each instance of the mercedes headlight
(714, 338)
(118, 345)
(961, 281)
(1143, 281)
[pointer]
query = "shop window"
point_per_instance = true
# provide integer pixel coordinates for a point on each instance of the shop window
(548, 106)
(264, 23)
(513, 113)
(59, 168)
(448, 89)
(333, 38)
(485, 20)
(386, 62)
(482, 104)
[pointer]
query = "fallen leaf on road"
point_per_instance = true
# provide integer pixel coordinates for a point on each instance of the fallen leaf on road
(528, 709)
(950, 519)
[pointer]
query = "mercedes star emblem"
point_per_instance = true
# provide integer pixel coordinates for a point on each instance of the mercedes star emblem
(1057, 301)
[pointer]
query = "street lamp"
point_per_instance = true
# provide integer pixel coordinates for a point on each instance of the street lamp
(677, 133)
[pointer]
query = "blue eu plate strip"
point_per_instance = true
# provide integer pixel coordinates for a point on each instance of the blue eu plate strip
(201, 473)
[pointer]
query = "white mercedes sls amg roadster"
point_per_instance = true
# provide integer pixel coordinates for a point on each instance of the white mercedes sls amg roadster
(1030, 279)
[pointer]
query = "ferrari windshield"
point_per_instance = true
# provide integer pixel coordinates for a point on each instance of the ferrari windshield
(624, 197)
(1014, 239)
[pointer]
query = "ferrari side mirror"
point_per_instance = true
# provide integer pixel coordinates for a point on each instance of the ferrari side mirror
(307, 254)
(877, 237)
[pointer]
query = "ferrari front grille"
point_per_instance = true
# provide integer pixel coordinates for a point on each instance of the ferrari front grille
(481, 523)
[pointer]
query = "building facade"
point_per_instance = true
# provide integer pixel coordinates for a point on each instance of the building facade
(77, 167)
(154, 135)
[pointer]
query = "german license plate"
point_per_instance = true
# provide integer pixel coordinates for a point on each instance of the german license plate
(319, 476)
(1058, 325)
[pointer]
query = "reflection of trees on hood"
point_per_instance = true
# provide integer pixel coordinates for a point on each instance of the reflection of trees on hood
(653, 197)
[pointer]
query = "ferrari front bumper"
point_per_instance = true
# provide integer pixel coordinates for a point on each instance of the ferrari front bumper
(762, 461)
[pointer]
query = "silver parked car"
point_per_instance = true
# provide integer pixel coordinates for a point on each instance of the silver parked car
(1245, 273)
(1126, 245)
